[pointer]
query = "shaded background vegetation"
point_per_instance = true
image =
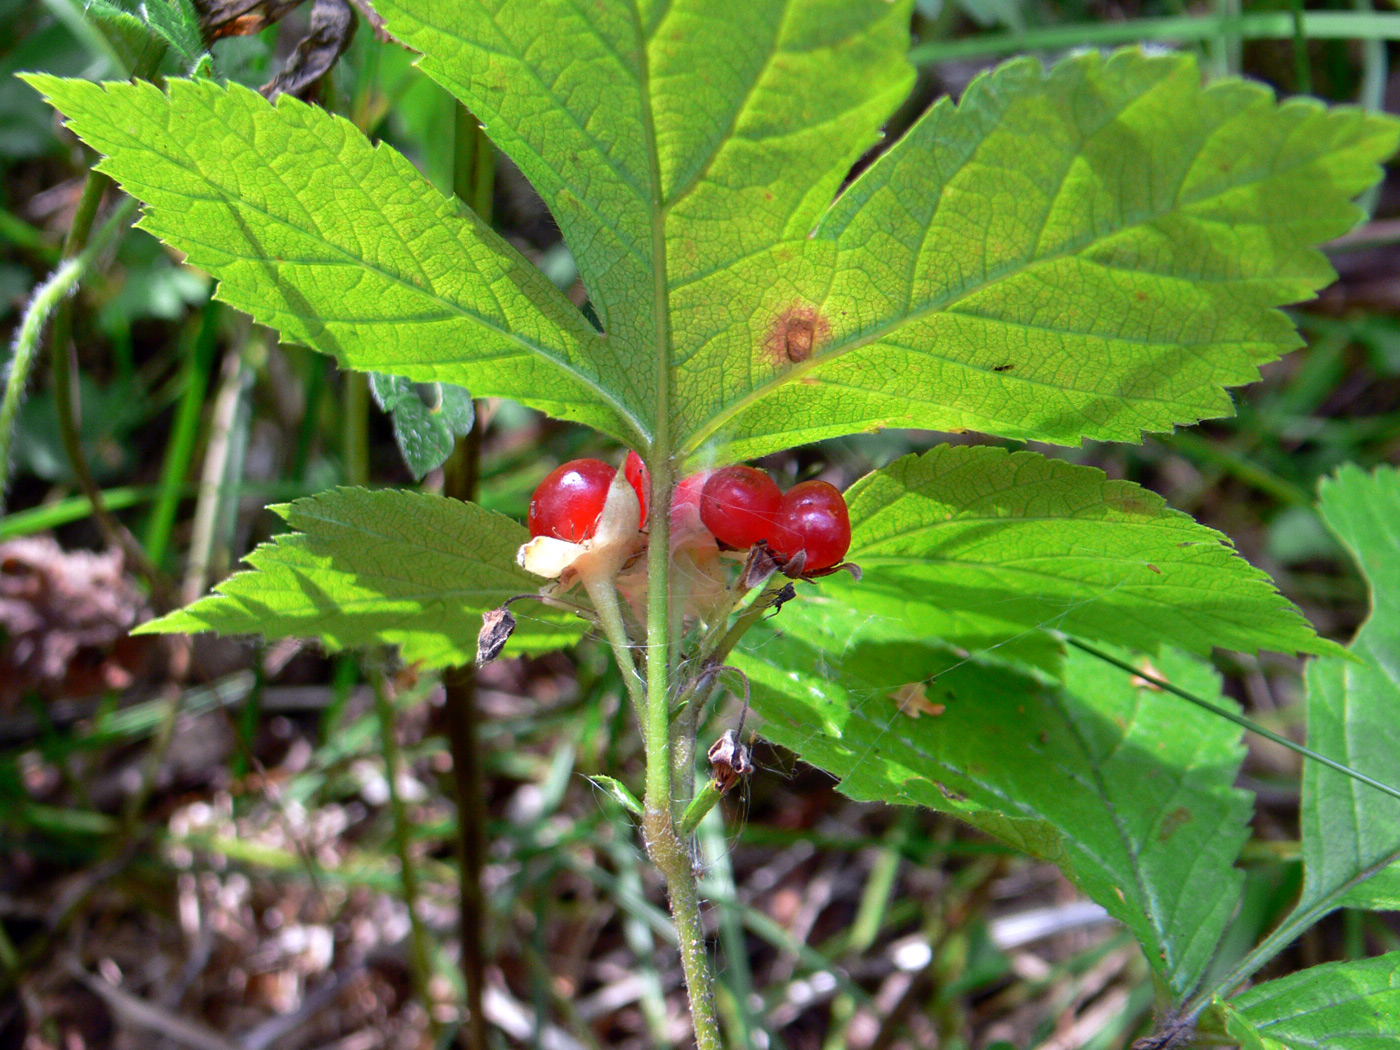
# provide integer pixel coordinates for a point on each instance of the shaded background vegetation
(205, 847)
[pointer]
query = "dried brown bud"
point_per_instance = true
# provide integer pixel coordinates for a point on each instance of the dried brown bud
(730, 761)
(496, 628)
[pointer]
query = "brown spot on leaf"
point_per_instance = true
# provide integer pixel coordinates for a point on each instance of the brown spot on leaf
(795, 334)
(1175, 819)
(1124, 498)
(913, 701)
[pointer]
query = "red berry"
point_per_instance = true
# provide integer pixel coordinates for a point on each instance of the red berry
(739, 505)
(640, 478)
(813, 518)
(569, 500)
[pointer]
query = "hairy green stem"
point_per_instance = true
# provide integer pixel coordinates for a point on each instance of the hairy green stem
(60, 364)
(49, 297)
(656, 728)
(747, 619)
(604, 598)
(670, 854)
(665, 844)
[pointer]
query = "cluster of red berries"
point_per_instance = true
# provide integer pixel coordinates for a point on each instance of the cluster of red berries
(741, 506)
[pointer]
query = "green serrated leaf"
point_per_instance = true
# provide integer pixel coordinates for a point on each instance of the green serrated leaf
(1348, 829)
(344, 246)
(427, 422)
(975, 546)
(1340, 1006)
(1128, 789)
(1093, 251)
(381, 568)
(1096, 250)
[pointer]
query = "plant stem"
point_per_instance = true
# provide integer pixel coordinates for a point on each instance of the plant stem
(15, 231)
(747, 619)
(474, 166)
(41, 304)
(473, 177)
(1302, 67)
(657, 725)
(51, 295)
(355, 435)
(1375, 75)
(74, 247)
(604, 598)
(669, 853)
(216, 471)
(666, 847)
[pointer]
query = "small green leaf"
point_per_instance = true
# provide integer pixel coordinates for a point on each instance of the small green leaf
(428, 418)
(1339, 1006)
(1128, 789)
(381, 568)
(1349, 829)
(974, 545)
(618, 792)
(344, 246)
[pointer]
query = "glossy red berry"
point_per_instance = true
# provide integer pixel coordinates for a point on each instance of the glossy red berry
(640, 478)
(739, 505)
(567, 503)
(813, 518)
